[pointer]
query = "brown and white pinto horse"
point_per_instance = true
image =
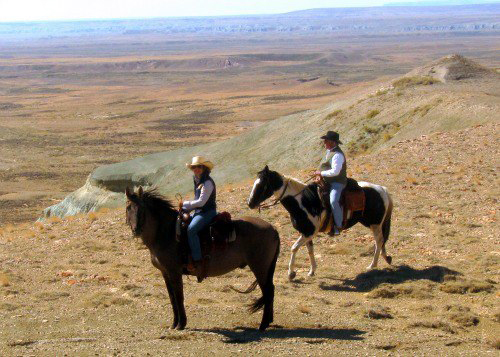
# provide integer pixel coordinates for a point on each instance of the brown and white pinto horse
(307, 213)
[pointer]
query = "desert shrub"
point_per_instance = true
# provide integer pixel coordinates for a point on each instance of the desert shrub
(371, 129)
(423, 110)
(370, 135)
(387, 136)
(372, 113)
(104, 299)
(464, 287)
(496, 317)
(381, 92)
(414, 81)
(495, 343)
(51, 295)
(461, 315)
(440, 325)
(4, 279)
(304, 309)
(386, 291)
(333, 114)
(378, 312)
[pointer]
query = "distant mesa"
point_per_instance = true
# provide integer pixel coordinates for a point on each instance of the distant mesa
(452, 68)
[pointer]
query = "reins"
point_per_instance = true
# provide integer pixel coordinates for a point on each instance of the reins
(278, 200)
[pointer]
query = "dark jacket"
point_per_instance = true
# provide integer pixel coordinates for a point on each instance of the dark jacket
(325, 165)
(198, 184)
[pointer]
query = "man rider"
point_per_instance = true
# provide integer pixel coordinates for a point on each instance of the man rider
(333, 170)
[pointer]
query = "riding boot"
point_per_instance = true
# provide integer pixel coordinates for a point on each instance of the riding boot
(197, 268)
(335, 231)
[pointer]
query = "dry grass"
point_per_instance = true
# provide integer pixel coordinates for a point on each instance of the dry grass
(372, 113)
(461, 315)
(466, 286)
(378, 312)
(414, 81)
(334, 114)
(4, 280)
(441, 325)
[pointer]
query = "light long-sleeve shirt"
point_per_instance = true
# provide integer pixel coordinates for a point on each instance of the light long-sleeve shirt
(336, 161)
(205, 193)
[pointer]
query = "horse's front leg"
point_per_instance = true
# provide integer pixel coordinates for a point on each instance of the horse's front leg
(299, 243)
(310, 250)
(173, 302)
(178, 292)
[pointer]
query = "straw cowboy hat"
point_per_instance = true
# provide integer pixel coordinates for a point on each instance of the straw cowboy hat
(200, 160)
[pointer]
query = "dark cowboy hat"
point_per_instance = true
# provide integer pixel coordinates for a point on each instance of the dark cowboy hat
(333, 136)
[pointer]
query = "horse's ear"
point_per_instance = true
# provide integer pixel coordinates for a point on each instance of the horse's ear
(128, 192)
(266, 169)
(140, 191)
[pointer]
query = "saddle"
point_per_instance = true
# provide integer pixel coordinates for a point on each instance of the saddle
(352, 200)
(215, 236)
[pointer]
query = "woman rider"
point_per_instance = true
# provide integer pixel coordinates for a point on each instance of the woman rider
(204, 207)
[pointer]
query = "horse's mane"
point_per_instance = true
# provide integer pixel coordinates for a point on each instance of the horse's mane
(309, 193)
(157, 203)
(295, 183)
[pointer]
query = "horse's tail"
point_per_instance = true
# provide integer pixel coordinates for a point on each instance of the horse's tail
(248, 290)
(268, 288)
(386, 225)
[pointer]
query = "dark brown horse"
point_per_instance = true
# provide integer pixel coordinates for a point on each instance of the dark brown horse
(153, 218)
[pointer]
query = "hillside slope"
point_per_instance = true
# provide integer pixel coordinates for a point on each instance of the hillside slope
(401, 109)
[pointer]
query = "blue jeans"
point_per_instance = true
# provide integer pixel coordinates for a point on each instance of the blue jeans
(335, 192)
(200, 221)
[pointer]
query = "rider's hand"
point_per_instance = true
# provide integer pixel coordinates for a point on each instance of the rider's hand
(317, 173)
(180, 205)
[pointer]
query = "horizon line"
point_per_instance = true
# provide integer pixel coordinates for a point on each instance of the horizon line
(392, 5)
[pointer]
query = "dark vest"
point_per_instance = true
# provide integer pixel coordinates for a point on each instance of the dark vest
(211, 203)
(325, 165)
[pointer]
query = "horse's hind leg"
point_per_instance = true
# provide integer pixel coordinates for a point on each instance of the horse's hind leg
(264, 273)
(379, 243)
(310, 250)
(299, 243)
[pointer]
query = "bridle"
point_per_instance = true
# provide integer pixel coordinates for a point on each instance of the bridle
(276, 201)
(140, 218)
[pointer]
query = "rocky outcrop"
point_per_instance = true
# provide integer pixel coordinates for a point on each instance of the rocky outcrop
(453, 68)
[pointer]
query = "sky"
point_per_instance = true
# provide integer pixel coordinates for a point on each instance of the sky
(35, 10)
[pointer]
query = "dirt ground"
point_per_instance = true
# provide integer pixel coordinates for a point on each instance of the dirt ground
(84, 286)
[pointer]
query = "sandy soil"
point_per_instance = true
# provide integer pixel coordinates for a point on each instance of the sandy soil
(83, 286)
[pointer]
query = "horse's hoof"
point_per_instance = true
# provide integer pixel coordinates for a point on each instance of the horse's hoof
(263, 327)
(388, 260)
(369, 267)
(292, 275)
(311, 273)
